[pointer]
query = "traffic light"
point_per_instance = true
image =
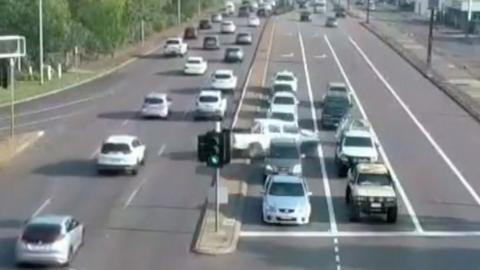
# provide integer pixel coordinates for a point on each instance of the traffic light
(226, 147)
(214, 148)
(4, 81)
(202, 154)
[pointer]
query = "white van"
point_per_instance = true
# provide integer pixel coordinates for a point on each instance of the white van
(230, 8)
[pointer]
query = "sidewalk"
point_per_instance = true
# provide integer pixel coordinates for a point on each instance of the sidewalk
(455, 63)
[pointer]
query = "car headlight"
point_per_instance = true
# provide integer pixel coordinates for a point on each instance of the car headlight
(390, 199)
(269, 167)
(271, 208)
(297, 169)
(361, 199)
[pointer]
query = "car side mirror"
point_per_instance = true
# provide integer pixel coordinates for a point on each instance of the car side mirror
(309, 193)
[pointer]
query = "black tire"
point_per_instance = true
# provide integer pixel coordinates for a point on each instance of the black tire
(392, 214)
(135, 170)
(342, 170)
(354, 213)
(142, 162)
(348, 195)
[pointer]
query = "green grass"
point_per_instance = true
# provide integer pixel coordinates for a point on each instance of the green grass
(27, 89)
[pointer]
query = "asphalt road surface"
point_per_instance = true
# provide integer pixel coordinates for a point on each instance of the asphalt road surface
(148, 221)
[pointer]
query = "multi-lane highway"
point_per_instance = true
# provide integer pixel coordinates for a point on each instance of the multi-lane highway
(148, 221)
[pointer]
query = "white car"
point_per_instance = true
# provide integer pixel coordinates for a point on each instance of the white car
(253, 21)
(284, 101)
(287, 115)
(195, 65)
(210, 104)
(228, 27)
(286, 77)
(224, 79)
(286, 200)
(156, 105)
(121, 153)
(175, 47)
(49, 240)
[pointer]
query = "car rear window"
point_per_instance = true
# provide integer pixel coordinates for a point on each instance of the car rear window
(222, 76)
(210, 40)
(283, 116)
(173, 42)
(153, 101)
(41, 233)
(284, 78)
(374, 179)
(194, 61)
(337, 88)
(284, 101)
(284, 152)
(208, 99)
(354, 141)
(115, 148)
(282, 87)
(243, 35)
(286, 189)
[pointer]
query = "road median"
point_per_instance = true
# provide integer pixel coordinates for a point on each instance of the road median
(235, 176)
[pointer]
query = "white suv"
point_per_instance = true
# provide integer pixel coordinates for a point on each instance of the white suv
(228, 27)
(224, 79)
(286, 77)
(210, 104)
(175, 47)
(121, 153)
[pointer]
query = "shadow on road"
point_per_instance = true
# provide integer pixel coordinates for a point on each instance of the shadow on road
(119, 115)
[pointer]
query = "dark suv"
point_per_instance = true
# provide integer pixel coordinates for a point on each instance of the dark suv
(335, 107)
(283, 157)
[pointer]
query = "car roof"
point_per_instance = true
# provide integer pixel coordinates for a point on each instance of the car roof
(224, 71)
(282, 109)
(244, 33)
(195, 58)
(174, 38)
(49, 219)
(337, 84)
(156, 95)
(284, 72)
(284, 94)
(120, 139)
(285, 178)
(372, 168)
(358, 133)
(227, 22)
(210, 93)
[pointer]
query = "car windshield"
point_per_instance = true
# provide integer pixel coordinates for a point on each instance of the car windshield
(337, 88)
(210, 40)
(41, 233)
(284, 78)
(173, 42)
(115, 148)
(153, 101)
(286, 189)
(282, 87)
(243, 35)
(222, 76)
(355, 141)
(283, 116)
(284, 152)
(208, 99)
(374, 179)
(284, 101)
(233, 50)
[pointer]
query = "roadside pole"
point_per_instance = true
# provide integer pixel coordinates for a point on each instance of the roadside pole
(179, 11)
(12, 99)
(218, 129)
(469, 18)
(368, 11)
(430, 38)
(40, 39)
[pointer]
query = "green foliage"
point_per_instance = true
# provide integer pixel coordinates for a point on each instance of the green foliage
(94, 26)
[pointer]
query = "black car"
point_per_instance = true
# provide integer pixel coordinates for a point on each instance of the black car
(243, 11)
(335, 107)
(305, 16)
(204, 24)
(233, 54)
(244, 38)
(211, 43)
(190, 33)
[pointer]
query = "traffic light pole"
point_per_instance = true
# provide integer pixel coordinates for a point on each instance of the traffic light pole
(218, 128)
(12, 99)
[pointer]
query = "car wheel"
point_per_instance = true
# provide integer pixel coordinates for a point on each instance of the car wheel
(392, 215)
(135, 170)
(342, 170)
(142, 162)
(348, 196)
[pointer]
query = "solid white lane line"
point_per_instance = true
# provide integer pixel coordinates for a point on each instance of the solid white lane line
(41, 207)
(269, 52)
(399, 186)
(359, 234)
(242, 97)
(161, 150)
(425, 132)
(58, 117)
(326, 184)
(134, 193)
(287, 55)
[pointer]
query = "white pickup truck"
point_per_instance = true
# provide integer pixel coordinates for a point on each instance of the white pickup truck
(175, 47)
(256, 141)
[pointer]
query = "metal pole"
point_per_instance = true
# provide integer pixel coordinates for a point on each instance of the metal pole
(218, 128)
(12, 99)
(40, 34)
(199, 7)
(368, 11)
(469, 17)
(430, 39)
(179, 11)
(142, 29)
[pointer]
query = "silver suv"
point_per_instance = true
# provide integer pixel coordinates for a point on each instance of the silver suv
(283, 157)
(370, 190)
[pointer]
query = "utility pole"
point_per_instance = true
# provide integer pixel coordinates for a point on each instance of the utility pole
(199, 7)
(430, 38)
(469, 17)
(12, 99)
(368, 11)
(142, 24)
(179, 11)
(40, 34)
(218, 129)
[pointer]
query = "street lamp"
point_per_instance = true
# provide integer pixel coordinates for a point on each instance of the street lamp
(40, 34)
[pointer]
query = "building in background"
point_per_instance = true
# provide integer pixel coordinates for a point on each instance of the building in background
(456, 14)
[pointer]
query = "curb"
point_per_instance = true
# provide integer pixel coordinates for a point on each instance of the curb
(467, 103)
(104, 73)
(20, 148)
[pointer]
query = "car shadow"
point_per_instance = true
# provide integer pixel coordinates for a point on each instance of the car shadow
(83, 168)
(119, 115)
(7, 257)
